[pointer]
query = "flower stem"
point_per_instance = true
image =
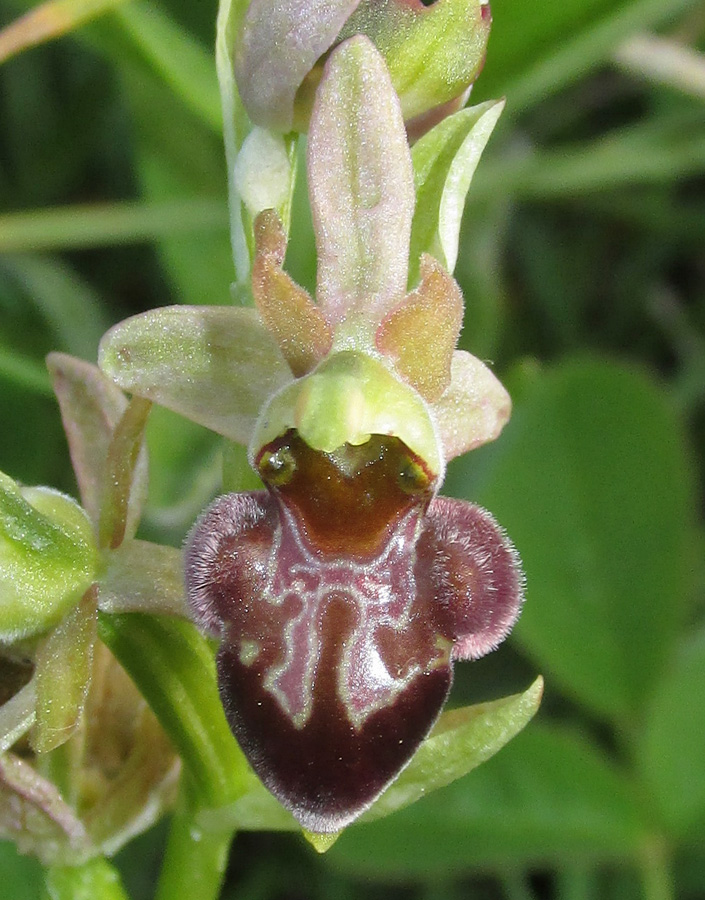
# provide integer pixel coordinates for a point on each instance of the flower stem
(94, 880)
(196, 857)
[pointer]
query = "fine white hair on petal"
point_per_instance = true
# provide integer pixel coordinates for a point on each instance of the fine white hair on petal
(478, 575)
(225, 521)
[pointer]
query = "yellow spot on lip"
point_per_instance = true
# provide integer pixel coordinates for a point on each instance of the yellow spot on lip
(249, 651)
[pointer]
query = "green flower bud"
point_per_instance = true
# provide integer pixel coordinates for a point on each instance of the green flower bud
(47, 558)
(433, 53)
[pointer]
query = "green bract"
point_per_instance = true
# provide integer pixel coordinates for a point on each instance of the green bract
(47, 558)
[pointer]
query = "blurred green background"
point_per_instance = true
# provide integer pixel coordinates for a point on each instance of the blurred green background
(583, 268)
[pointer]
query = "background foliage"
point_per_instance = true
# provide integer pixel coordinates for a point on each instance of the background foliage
(583, 267)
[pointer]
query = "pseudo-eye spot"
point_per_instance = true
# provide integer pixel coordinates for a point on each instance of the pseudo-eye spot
(342, 595)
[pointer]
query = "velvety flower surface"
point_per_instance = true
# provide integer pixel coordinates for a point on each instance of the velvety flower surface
(342, 593)
(342, 596)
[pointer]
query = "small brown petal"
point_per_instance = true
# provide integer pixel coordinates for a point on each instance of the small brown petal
(421, 333)
(302, 332)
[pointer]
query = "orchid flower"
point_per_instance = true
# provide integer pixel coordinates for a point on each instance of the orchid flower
(344, 592)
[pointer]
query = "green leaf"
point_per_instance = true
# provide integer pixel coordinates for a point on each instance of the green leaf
(47, 558)
(537, 49)
(592, 481)
(672, 746)
(444, 162)
(461, 740)
(362, 196)
(549, 794)
(63, 665)
(173, 667)
(214, 365)
(21, 875)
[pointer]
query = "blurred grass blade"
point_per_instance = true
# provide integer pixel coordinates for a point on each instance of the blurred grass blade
(538, 49)
(69, 305)
(658, 150)
(173, 667)
(101, 224)
(180, 60)
(663, 61)
(22, 372)
(199, 270)
(47, 21)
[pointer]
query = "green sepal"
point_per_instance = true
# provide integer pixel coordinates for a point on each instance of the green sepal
(444, 163)
(47, 558)
(63, 665)
(215, 365)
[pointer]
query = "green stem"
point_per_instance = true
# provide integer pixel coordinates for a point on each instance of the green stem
(196, 857)
(94, 880)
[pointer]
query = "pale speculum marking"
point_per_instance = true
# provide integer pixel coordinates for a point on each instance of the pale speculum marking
(381, 590)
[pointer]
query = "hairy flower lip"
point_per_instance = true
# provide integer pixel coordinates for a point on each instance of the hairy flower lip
(333, 666)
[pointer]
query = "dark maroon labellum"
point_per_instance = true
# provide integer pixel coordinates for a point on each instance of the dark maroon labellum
(342, 595)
